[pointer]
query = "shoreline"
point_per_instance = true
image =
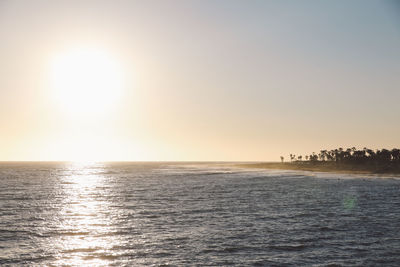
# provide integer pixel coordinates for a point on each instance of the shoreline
(322, 167)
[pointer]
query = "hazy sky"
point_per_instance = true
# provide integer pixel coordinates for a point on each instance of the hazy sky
(202, 80)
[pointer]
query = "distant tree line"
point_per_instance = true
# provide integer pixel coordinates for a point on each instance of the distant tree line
(351, 156)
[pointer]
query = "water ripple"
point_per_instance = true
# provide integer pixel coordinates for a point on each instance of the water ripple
(159, 214)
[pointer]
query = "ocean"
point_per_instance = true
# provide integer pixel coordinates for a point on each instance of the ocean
(194, 214)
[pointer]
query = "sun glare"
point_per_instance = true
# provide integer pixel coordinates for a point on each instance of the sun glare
(86, 81)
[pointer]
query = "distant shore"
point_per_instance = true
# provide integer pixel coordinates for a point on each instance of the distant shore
(325, 167)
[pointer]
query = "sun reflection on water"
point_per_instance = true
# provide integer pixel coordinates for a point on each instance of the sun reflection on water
(84, 222)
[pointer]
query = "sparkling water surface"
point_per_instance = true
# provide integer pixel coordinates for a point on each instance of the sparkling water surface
(192, 214)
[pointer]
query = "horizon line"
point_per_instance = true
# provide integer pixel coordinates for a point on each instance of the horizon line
(135, 161)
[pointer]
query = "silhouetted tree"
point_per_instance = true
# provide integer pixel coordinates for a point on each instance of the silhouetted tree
(383, 158)
(323, 155)
(395, 154)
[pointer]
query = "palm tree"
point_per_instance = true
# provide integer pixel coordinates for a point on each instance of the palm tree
(371, 153)
(395, 154)
(336, 153)
(330, 155)
(313, 157)
(347, 154)
(323, 155)
(385, 155)
(383, 159)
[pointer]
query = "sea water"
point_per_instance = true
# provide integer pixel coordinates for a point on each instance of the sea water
(192, 214)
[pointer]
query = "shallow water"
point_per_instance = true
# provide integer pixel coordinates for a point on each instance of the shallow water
(157, 214)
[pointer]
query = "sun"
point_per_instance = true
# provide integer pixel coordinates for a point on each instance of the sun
(86, 81)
